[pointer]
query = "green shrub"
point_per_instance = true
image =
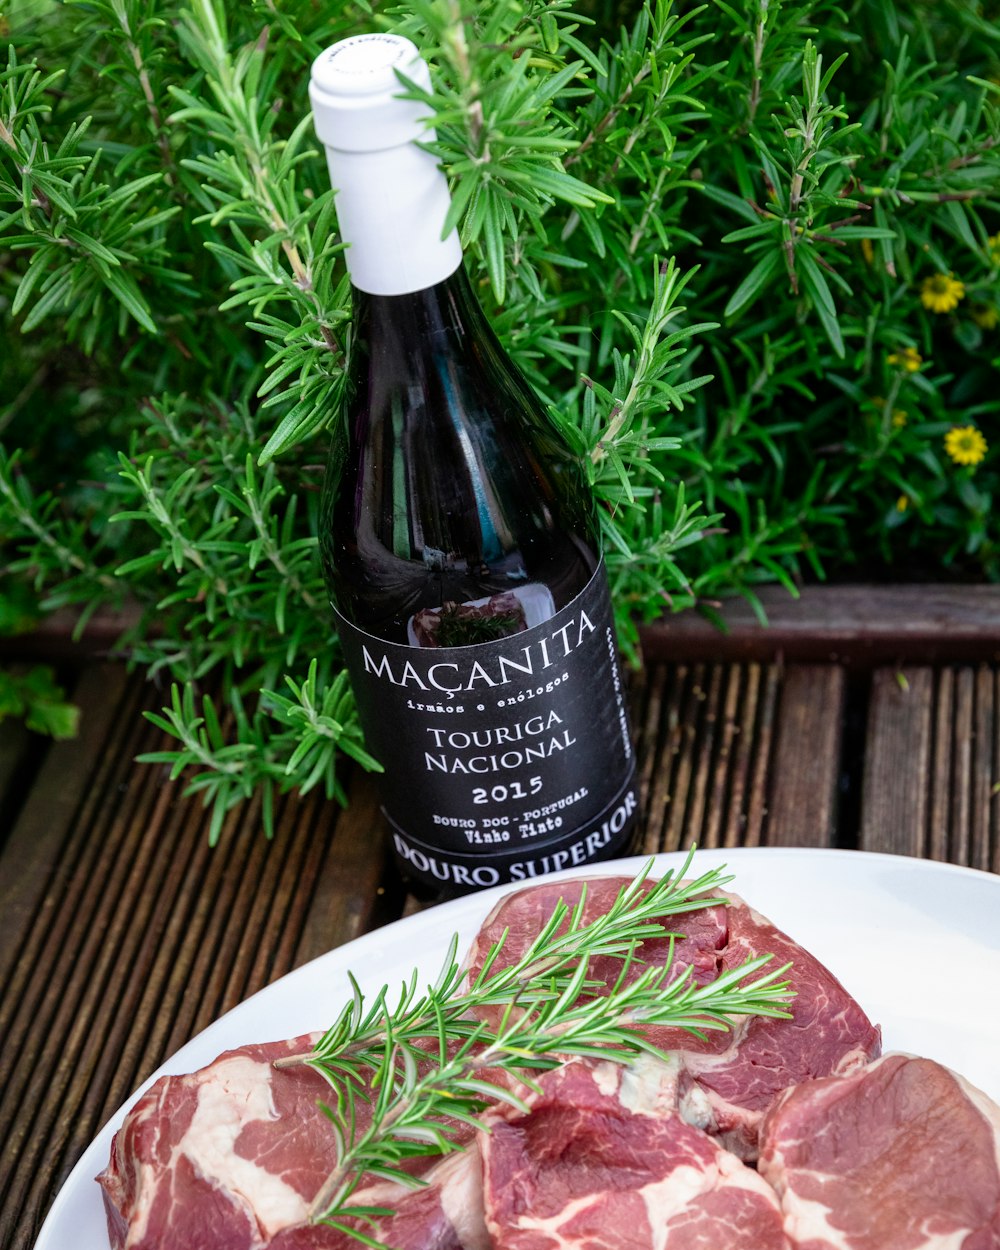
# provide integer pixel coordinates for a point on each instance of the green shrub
(747, 251)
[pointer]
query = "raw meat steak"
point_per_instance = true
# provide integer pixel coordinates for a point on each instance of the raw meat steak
(230, 1157)
(729, 1084)
(600, 1163)
(901, 1155)
(728, 1080)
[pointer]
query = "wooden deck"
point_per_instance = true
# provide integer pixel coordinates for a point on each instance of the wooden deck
(122, 933)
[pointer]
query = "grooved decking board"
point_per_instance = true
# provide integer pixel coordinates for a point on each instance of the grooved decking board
(56, 808)
(802, 802)
(898, 758)
(933, 764)
(340, 910)
(706, 734)
(984, 786)
(124, 932)
(49, 881)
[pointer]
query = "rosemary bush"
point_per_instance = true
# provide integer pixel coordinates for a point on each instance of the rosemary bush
(747, 251)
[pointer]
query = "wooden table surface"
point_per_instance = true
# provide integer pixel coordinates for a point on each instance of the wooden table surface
(866, 719)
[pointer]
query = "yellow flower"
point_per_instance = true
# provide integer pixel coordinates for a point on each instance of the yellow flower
(902, 503)
(985, 316)
(899, 415)
(941, 293)
(907, 358)
(965, 444)
(993, 245)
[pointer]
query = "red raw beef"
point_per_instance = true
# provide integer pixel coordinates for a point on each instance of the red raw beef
(230, 1157)
(729, 1080)
(901, 1155)
(598, 1163)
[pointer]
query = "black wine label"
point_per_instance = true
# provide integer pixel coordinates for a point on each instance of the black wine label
(506, 759)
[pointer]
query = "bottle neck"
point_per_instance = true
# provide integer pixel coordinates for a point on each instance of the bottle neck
(391, 206)
(442, 317)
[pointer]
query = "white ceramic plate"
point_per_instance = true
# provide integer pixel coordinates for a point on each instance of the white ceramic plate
(916, 942)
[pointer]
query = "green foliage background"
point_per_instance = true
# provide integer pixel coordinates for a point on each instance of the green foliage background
(703, 230)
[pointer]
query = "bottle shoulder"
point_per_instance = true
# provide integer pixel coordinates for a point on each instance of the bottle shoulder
(448, 483)
(432, 366)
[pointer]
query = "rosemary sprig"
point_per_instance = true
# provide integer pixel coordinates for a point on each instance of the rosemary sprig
(422, 1064)
(537, 975)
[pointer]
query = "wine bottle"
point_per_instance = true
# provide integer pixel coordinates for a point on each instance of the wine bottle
(459, 537)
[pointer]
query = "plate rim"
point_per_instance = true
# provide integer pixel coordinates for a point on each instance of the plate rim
(387, 934)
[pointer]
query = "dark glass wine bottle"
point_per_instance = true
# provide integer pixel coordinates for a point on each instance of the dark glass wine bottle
(458, 533)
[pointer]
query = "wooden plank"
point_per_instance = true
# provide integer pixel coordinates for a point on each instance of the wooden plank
(163, 936)
(307, 826)
(861, 625)
(683, 756)
(207, 927)
(933, 764)
(57, 636)
(734, 756)
(31, 853)
(705, 742)
(50, 880)
(984, 773)
(649, 715)
(66, 1034)
(137, 933)
(895, 799)
(126, 932)
(762, 737)
(707, 714)
(659, 747)
(721, 781)
(805, 768)
(748, 799)
(135, 917)
(936, 845)
(964, 815)
(993, 767)
(354, 889)
(51, 877)
(961, 747)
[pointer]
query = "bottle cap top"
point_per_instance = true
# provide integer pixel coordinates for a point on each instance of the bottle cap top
(355, 93)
